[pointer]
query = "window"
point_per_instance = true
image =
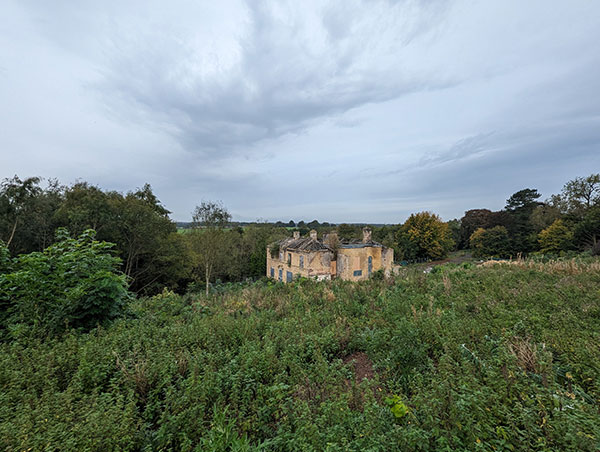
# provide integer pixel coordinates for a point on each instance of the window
(281, 255)
(289, 259)
(301, 261)
(370, 265)
(357, 272)
(280, 275)
(272, 272)
(288, 276)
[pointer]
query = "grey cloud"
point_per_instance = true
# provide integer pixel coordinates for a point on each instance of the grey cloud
(287, 76)
(341, 111)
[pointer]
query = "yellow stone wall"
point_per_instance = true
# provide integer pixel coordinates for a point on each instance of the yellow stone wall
(349, 260)
(316, 264)
(319, 264)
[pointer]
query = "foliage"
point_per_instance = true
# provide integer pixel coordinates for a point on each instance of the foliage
(578, 195)
(500, 357)
(72, 283)
(473, 220)
(211, 249)
(493, 242)
(397, 406)
(556, 238)
(425, 235)
(587, 231)
(543, 216)
(523, 199)
(520, 207)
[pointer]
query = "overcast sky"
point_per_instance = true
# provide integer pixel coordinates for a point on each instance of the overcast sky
(340, 111)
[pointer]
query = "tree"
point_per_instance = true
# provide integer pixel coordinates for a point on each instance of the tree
(208, 237)
(471, 221)
(525, 198)
(587, 231)
(543, 216)
(17, 197)
(493, 242)
(349, 231)
(425, 235)
(73, 282)
(454, 226)
(556, 238)
(520, 207)
(578, 195)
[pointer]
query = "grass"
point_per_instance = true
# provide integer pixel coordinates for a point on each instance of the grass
(502, 356)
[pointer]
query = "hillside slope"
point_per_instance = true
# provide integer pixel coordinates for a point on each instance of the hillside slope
(498, 357)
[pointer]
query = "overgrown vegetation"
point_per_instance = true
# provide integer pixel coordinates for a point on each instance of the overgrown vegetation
(492, 357)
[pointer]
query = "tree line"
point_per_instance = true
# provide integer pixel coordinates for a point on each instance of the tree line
(153, 253)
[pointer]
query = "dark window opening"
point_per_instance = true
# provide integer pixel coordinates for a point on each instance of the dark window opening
(357, 272)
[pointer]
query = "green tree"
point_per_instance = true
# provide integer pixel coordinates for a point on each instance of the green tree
(526, 198)
(16, 199)
(556, 238)
(543, 216)
(209, 243)
(587, 231)
(493, 242)
(454, 226)
(74, 282)
(349, 231)
(425, 235)
(520, 207)
(471, 221)
(578, 195)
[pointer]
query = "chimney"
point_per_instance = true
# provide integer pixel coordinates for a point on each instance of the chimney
(366, 234)
(313, 234)
(296, 235)
(331, 239)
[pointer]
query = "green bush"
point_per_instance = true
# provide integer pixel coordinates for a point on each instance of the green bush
(72, 283)
(500, 357)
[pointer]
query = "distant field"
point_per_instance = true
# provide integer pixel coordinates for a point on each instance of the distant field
(501, 356)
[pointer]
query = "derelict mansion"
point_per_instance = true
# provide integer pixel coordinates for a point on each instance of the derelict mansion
(327, 258)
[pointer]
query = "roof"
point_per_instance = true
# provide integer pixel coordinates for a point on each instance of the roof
(302, 244)
(360, 244)
(308, 244)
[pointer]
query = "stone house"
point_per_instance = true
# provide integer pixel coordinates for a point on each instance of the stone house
(328, 258)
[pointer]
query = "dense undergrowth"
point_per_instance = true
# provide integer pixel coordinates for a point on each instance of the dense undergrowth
(499, 357)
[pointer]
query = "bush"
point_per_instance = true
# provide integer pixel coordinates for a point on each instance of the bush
(556, 238)
(425, 235)
(74, 282)
(493, 242)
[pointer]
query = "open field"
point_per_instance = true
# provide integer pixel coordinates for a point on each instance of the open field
(503, 356)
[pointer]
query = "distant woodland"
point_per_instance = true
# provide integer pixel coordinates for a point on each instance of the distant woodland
(154, 253)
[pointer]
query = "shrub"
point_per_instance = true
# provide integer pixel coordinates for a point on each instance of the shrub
(493, 242)
(74, 282)
(555, 238)
(425, 235)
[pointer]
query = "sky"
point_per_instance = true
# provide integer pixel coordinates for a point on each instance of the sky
(341, 111)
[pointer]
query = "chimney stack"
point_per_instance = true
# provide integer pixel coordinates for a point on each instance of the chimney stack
(296, 235)
(313, 234)
(366, 234)
(331, 239)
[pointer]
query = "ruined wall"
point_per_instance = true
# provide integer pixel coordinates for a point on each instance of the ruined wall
(353, 263)
(317, 264)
